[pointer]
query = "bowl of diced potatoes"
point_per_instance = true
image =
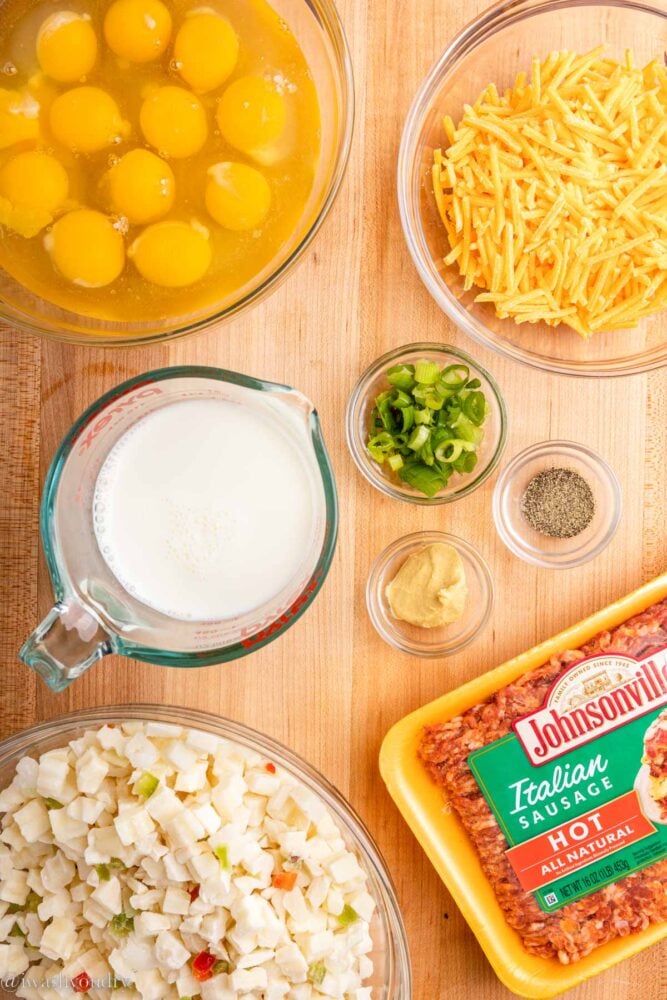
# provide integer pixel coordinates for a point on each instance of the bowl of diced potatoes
(532, 185)
(154, 853)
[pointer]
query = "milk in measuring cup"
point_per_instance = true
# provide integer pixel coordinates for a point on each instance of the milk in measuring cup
(204, 508)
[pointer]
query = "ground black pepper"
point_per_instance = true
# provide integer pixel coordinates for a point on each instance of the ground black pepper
(558, 503)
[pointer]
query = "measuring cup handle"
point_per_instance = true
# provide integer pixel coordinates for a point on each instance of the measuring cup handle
(64, 645)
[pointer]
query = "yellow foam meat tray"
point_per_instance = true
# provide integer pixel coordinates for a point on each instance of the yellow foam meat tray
(446, 843)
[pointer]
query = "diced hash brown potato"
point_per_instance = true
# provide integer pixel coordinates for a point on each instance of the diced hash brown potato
(622, 908)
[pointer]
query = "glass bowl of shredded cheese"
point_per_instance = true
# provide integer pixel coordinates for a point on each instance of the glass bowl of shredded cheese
(162, 852)
(532, 184)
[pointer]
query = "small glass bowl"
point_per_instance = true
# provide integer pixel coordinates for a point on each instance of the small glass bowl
(542, 550)
(429, 642)
(362, 401)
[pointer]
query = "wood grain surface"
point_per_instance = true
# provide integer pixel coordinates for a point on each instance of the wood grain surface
(330, 688)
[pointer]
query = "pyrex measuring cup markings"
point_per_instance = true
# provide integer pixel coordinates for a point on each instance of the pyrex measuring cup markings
(94, 614)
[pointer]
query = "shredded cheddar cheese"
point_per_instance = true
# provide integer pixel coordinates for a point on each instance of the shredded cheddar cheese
(554, 195)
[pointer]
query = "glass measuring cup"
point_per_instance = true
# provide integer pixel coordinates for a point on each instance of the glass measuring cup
(93, 614)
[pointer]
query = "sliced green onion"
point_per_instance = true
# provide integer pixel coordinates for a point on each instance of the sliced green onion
(146, 785)
(222, 854)
(348, 916)
(402, 376)
(451, 450)
(418, 438)
(427, 479)
(401, 399)
(380, 446)
(408, 414)
(468, 431)
(423, 417)
(427, 424)
(474, 407)
(455, 376)
(426, 372)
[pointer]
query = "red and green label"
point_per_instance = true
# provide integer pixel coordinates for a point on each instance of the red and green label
(583, 817)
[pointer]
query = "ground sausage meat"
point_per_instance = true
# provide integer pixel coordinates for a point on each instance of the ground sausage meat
(615, 911)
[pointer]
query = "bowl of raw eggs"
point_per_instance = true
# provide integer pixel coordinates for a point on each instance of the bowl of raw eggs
(163, 163)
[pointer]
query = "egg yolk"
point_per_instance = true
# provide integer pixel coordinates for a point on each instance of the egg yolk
(142, 186)
(66, 46)
(174, 122)
(36, 180)
(33, 186)
(172, 254)
(251, 114)
(86, 248)
(205, 50)
(86, 119)
(237, 196)
(137, 30)
(19, 117)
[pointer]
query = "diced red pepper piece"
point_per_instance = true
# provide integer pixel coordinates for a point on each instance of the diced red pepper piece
(202, 966)
(82, 983)
(284, 880)
(271, 768)
(194, 893)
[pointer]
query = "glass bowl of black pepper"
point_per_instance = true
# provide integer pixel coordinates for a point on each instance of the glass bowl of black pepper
(557, 504)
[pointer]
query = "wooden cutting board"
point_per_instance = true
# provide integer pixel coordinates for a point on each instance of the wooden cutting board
(330, 688)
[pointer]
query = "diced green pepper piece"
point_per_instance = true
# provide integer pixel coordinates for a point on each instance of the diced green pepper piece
(52, 803)
(122, 924)
(103, 872)
(146, 785)
(348, 916)
(117, 864)
(316, 972)
(221, 966)
(222, 854)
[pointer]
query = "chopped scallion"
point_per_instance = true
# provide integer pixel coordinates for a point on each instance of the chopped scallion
(427, 425)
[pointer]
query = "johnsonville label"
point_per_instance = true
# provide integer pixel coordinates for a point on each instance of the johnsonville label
(571, 787)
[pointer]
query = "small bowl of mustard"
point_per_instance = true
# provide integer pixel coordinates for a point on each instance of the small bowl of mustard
(429, 594)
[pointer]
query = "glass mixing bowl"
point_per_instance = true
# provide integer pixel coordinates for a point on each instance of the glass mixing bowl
(391, 979)
(494, 47)
(319, 31)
